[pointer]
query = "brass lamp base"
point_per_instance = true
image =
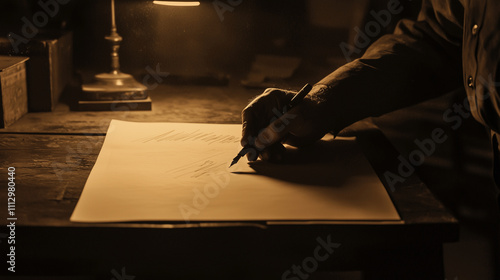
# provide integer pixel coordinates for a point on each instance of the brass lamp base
(116, 105)
(113, 89)
(114, 86)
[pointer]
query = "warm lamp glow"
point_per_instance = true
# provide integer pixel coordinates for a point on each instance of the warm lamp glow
(178, 3)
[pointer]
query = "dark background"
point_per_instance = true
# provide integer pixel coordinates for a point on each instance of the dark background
(194, 40)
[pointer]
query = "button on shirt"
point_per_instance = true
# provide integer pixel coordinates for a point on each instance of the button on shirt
(474, 29)
(481, 54)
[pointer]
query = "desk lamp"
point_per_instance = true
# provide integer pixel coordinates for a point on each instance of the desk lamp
(117, 90)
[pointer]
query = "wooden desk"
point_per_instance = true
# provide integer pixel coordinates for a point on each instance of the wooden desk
(53, 154)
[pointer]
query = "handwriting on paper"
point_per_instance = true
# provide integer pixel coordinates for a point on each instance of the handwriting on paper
(197, 135)
(199, 168)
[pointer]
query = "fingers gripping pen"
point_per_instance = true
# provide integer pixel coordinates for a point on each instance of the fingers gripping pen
(296, 100)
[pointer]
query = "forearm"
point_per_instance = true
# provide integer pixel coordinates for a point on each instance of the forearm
(398, 70)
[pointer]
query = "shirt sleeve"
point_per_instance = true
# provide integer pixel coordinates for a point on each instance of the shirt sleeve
(419, 61)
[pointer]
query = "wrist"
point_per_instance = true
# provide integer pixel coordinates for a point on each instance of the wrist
(329, 118)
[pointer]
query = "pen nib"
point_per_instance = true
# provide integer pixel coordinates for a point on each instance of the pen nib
(235, 160)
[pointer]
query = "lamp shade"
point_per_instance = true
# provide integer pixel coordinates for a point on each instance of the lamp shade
(178, 3)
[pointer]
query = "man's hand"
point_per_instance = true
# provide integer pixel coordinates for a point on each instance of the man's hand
(265, 127)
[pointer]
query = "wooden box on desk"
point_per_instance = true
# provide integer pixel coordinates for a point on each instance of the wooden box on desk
(13, 90)
(49, 69)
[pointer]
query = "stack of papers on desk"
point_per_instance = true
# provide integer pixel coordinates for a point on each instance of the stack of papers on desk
(179, 172)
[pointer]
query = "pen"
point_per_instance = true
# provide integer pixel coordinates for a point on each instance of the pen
(294, 102)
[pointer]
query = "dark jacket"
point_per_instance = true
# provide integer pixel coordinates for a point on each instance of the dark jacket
(452, 44)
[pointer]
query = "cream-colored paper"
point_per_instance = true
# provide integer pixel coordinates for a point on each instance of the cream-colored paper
(179, 172)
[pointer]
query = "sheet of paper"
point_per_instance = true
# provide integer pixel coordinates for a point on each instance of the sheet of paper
(180, 172)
